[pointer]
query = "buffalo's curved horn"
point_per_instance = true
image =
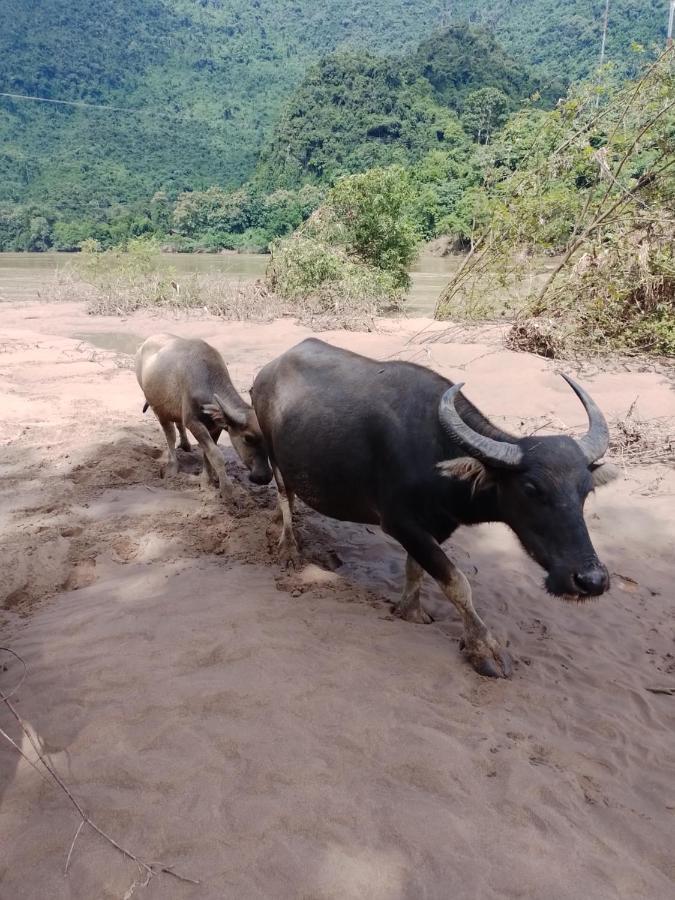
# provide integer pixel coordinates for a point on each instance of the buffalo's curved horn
(503, 454)
(595, 442)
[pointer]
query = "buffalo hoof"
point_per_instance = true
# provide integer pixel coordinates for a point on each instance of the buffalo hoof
(289, 554)
(207, 481)
(236, 499)
(487, 657)
(414, 614)
(169, 469)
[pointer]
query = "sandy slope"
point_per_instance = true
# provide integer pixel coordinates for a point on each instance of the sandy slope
(283, 736)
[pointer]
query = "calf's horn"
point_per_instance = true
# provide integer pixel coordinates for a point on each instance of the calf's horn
(503, 454)
(595, 442)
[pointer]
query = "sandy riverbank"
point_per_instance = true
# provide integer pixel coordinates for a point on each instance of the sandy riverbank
(282, 736)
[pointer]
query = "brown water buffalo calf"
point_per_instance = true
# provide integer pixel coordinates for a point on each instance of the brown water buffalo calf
(187, 384)
(397, 445)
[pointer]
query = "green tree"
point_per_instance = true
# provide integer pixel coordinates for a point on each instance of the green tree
(38, 235)
(484, 111)
(597, 186)
(71, 235)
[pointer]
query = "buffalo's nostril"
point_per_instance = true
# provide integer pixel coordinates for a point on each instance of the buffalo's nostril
(593, 582)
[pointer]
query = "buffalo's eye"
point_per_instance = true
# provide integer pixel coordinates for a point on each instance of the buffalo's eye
(531, 489)
(250, 439)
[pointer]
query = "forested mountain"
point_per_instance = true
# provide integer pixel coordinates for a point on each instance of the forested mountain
(199, 81)
(562, 39)
(198, 86)
(459, 59)
(355, 111)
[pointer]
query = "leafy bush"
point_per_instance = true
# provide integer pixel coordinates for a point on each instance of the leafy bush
(119, 283)
(374, 214)
(350, 259)
(621, 296)
(323, 279)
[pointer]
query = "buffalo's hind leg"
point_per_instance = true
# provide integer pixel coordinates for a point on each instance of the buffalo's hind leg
(171, 467)
(184, 442)
(409, 606)
(482, 650)
(288, 546)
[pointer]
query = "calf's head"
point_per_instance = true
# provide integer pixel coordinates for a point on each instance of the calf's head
(241, 423)
(540, 485)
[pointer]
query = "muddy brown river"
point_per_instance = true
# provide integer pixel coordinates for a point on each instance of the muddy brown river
(30, 276)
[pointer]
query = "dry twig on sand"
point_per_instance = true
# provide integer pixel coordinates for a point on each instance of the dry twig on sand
(642, 441)
(149, 869)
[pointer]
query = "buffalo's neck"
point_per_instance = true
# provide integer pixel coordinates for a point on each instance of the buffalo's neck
(471, 506)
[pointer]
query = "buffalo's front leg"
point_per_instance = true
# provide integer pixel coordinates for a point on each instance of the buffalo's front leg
(409, 606)
(212, 453)
(481, 649)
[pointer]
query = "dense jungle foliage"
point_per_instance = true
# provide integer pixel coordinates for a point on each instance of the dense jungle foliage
(200, 84)
(562, 39)
(591, 183)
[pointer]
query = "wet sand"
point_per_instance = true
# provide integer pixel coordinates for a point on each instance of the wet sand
(281, 735)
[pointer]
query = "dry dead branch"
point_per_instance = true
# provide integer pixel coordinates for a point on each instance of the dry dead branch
(151, 870)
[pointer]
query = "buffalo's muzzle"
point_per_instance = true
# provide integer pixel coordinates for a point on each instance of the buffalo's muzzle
(260, 477)
(593, 582)
(571, 585)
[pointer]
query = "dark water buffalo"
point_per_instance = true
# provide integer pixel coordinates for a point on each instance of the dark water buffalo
(187, 384)
(397, 445)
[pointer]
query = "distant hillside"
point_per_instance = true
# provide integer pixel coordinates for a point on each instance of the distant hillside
(355, 111)
(562, 39)
(206, 76)
(460, 59)
(200, 83)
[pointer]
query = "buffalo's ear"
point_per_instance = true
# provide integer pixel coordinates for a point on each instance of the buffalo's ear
(214, 412)
(603, 473)
(466, 468)
(226, 414)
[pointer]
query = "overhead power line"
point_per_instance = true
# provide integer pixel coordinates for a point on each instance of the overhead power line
(80, 103)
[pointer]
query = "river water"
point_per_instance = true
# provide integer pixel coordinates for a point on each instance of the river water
(30, 276)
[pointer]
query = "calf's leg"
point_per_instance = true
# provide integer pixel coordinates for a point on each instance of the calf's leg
(209, 476)
(481, 649)
(169, 430)
(184, 442)
(212, 454)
